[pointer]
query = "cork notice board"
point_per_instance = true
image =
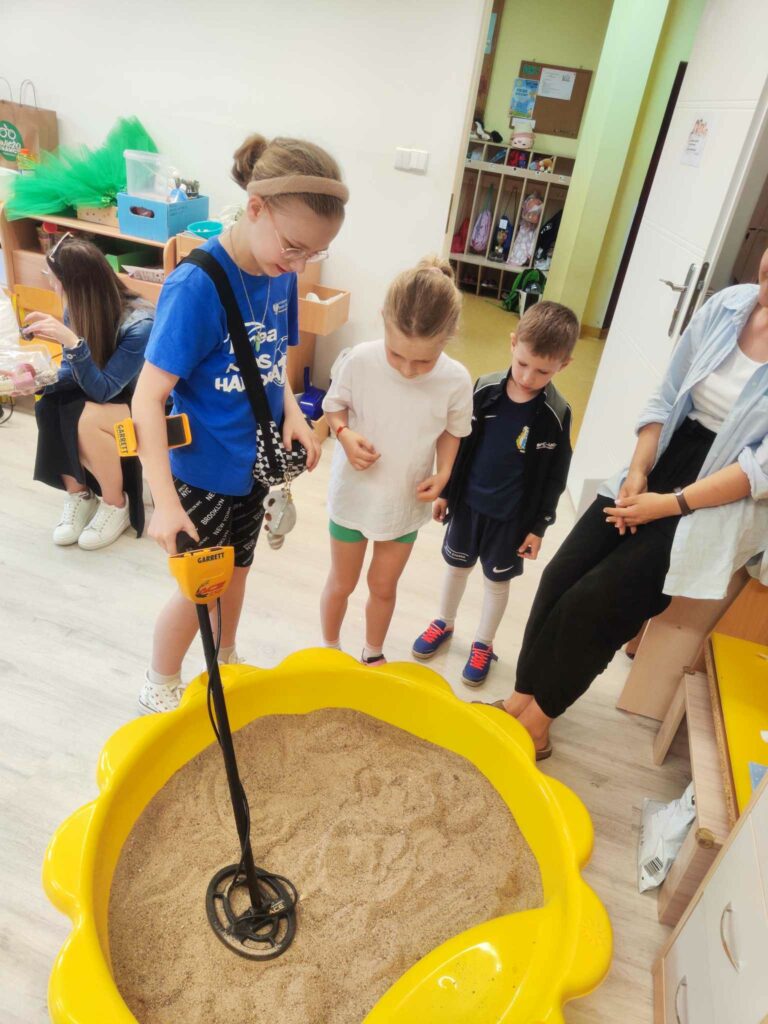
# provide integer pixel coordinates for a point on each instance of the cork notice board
(556, 116)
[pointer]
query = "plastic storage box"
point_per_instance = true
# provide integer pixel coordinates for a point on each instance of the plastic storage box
(147, 174)
(148, 218)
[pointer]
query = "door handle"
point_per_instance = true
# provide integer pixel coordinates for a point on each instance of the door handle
(680, 290)
(672, 285)
(680, 984)
(727, 909)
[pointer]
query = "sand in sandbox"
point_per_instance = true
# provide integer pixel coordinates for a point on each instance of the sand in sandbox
(394, 844)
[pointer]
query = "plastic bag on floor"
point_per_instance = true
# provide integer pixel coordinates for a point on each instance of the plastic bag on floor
(662, 831)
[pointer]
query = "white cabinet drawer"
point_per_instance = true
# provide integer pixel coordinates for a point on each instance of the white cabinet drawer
(759, 819)
(687, 995)
(737, 934)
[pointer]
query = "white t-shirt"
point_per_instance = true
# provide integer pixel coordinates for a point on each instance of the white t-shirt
(403, 420)
(715, 396)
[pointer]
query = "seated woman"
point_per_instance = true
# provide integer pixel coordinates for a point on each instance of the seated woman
(701, 453)
(105, 331)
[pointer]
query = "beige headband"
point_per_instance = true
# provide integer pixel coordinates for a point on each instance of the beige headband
(299, 183)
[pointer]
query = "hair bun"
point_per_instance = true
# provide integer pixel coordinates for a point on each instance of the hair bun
(246, 156)
(436, 263)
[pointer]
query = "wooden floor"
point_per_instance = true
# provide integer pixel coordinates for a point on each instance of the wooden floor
(76, 630)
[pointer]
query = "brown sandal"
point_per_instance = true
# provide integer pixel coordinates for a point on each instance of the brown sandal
(541, 755)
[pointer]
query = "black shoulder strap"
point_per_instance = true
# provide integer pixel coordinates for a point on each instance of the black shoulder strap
(254, 386)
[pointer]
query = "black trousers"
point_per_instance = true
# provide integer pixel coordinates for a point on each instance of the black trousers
(601, 587)
(58, 413)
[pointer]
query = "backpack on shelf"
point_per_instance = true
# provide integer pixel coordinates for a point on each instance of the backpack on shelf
(527, 289)
(459, 242)
(481, 232)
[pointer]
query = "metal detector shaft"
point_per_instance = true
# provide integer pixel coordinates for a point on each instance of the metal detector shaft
(258, 899)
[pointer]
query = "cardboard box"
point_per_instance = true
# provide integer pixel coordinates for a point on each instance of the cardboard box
(325, 316)
(147, 218)
(98, 215)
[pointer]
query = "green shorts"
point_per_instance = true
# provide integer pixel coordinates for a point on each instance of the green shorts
(354, 536)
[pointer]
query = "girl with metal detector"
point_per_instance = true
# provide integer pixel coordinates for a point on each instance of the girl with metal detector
(209, 489)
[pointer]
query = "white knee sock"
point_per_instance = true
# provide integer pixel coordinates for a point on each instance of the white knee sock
(334, 645)
(495, 597)
(454, 585)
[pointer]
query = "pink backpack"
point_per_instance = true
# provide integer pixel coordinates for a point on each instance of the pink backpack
(481, 232)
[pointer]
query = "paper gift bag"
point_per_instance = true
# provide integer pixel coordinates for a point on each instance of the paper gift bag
(25, 126)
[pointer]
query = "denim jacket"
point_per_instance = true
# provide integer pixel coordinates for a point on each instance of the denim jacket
(123, 366)
(711, 544)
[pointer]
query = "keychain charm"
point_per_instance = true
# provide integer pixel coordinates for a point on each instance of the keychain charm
(279, 516)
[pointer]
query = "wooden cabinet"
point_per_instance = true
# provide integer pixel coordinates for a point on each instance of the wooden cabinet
(714, 968)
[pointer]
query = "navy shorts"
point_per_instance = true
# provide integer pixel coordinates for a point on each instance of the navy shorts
(471, 535)
(223, 519)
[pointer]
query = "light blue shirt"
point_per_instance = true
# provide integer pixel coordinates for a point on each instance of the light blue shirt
(711, 544)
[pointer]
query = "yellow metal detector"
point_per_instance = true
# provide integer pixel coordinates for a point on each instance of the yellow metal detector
(252, 911)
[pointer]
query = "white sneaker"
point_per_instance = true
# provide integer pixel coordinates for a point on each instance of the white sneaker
(157, 697)
(105, 527)
(79, 509)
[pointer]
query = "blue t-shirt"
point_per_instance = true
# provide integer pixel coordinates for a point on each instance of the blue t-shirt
(495, 482)
(190, 340)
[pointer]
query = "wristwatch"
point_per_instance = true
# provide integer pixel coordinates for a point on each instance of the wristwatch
(685, 508)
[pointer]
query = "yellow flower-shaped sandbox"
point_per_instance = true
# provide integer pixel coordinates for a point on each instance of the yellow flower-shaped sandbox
(517, 969)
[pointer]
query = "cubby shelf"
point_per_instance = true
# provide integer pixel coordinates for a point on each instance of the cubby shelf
(489, 182)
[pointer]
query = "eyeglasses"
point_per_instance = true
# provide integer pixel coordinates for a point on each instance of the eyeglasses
(291, 254)
(51, 257)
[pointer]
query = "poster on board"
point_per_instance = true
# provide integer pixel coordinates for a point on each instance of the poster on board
(556, 84)
(523, 97)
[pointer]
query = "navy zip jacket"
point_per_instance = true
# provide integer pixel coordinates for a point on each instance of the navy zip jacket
(547, 455)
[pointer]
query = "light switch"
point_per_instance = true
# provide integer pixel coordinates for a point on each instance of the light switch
(402, 159)
(419, 160)
(413, 160)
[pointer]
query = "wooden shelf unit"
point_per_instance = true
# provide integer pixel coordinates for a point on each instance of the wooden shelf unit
(507, 187)
(25, 265)
(25, 262)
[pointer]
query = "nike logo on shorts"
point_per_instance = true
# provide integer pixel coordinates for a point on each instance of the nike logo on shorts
(502, 570)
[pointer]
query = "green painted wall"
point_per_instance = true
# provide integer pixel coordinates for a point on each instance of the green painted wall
(554, 31)
(628, 53)
(675, 45)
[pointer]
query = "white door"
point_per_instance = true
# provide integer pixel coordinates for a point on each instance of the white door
(688, 212)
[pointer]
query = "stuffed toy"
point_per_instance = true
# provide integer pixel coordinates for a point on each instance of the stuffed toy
(521, 140)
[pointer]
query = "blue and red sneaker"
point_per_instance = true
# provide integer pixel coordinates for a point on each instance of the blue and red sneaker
(428, 644)
(478, 664)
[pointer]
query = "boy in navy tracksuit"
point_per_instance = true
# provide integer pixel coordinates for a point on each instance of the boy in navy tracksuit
(507, 479)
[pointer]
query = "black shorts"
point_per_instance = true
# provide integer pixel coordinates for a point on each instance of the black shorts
(225, 519)
(471, 535)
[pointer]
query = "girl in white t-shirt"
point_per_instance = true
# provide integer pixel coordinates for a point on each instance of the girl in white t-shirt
(398, 407)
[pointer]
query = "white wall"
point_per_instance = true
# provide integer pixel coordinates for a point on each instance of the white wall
(358, 78)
